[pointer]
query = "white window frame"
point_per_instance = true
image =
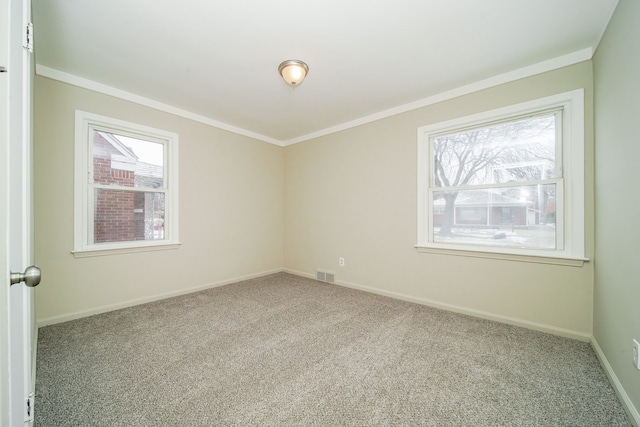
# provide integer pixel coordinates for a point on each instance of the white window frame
(85, 123)
(571, 183)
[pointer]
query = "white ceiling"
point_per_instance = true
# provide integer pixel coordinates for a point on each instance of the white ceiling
(218, 59)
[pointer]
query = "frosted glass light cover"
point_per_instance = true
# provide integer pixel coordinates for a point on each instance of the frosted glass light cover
(293, 72)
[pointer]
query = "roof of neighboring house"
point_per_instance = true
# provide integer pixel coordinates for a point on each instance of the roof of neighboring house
(146, 174)
(118, 145)
(149, 169)
(149, 175)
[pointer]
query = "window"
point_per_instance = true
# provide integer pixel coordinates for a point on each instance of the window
(126, 195)
(508, 181)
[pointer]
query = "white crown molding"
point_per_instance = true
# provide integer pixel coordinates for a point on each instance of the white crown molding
(74, 80)
(541, 67)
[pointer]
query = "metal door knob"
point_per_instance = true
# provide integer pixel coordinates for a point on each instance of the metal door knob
(31, 276)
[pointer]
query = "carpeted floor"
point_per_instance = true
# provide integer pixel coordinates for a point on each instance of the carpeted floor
(284, 351)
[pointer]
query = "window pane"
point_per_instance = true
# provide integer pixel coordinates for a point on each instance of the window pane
(127, 162)
(521, 150)
(521, 217)
(122, 216)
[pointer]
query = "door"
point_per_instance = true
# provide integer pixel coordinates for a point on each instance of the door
(19, 303)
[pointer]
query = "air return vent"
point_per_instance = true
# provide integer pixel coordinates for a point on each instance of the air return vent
(324, 276)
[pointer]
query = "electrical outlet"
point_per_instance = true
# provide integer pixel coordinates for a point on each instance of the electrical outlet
(636, 352)
(341, 261)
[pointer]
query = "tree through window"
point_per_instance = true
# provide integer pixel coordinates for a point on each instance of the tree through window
(498, 181)
(480, 172)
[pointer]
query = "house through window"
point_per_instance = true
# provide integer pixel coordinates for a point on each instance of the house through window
(127, 188)
(507, 181)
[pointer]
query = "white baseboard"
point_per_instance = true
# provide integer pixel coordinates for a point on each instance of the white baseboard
(567, 333)
(628, 405)
(130, 303)
(632, 411)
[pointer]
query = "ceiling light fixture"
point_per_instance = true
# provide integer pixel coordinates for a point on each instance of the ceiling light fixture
(293, 71)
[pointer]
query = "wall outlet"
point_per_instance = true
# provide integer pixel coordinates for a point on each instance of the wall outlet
(636, 352)
(341, 262)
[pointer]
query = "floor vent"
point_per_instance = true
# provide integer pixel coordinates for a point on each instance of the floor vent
(326, 277)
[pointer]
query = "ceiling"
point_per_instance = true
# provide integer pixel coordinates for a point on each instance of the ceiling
(217, 60)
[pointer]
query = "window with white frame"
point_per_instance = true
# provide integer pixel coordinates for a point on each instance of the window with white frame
(126, 186)
(507, 181)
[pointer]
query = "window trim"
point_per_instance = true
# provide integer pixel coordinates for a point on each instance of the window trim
(83, 223)
(572, 167)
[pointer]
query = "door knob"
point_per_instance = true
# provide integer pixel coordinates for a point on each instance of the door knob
(31, 276)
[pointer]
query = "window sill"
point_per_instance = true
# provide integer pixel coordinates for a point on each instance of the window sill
(86, 253)
(531, 258)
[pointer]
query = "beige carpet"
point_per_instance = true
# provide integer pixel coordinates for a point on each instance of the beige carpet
(285, 351)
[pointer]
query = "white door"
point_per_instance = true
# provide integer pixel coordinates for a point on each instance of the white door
(18, 307)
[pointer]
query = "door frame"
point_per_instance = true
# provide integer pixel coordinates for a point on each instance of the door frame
(17, 386)
(4, 220)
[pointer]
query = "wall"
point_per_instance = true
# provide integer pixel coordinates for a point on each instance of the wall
(231, 210)
(353, 194)
(617, 270)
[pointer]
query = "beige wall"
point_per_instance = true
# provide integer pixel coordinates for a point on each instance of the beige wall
(231, 210)
(353, 194)
(617, 268)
